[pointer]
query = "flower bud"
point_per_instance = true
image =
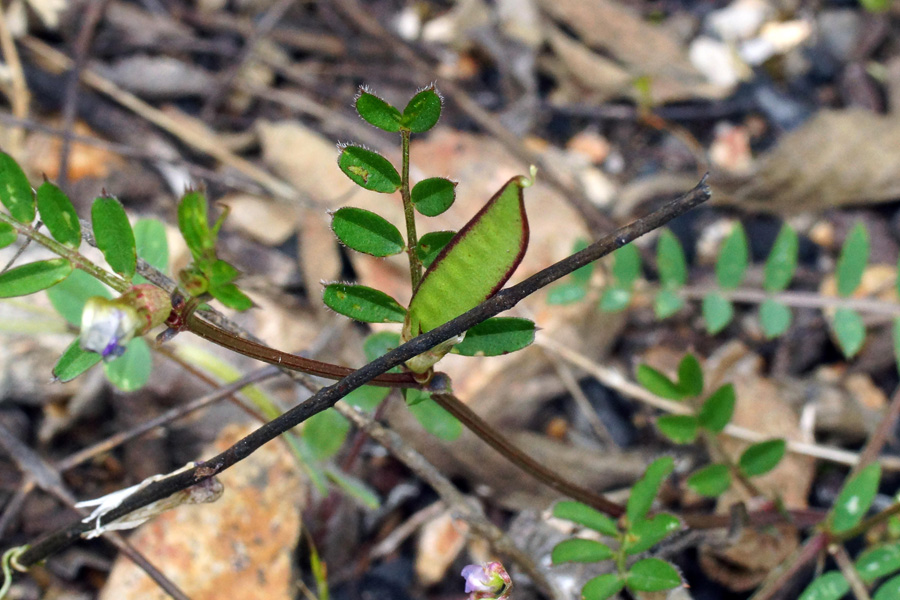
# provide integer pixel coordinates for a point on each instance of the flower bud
(487, 581)
(108, 325)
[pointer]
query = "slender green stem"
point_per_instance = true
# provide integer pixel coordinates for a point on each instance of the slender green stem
(71, 254)
(412, 241)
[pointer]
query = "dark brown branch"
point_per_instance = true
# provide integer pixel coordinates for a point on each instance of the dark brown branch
(328, 396)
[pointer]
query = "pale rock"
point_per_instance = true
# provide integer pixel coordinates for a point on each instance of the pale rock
(739, 20)
(717, 61)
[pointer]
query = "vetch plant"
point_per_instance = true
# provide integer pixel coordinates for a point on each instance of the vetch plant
(774, 301)
(707, 416)
(634, 534)
(456, 279)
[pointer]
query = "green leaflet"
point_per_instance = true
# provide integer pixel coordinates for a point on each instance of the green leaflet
(473, 266)
(15, 191)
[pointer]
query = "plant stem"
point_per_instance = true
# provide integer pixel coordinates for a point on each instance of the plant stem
(412, 241)
(71, 254)
(263, 353)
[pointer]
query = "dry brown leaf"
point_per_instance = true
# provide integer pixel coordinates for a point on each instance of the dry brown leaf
(593, 71)
(743, 564)
(641, 47)
(441, 541)
(43, 152)
(263, 219)
(837, 158)
(307, 160)
(238, 547)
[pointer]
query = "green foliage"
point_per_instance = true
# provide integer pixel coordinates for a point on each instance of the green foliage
(8, 234)
(366, 232)
(586, 516)
(207, 274)
(626, 269)
(850, 330)
(689, 382)
(431, 244)
(58, 214)
(131, 371)
(889, 590)
(69, 296)
(648, 532)
(876, 6)
(774, 317)
(377, 112)
(603, 587)
(193, 221)
(828, 586)
(433, 196)
(15, 190)
(33, 277)
(74, 361)
(152, 245)
(710, 481)
(635, 534)
(369, 170)
(855, 498)
(762, 457)
(422, 112)
(478, 261)
(670, 260)
(652, 575)
(681, 429)
(657, 383)
(575, 285)
(718, 409)
(646, 489)
(114, 236)
(852, 261)
(878, 562)
(363, 303)
(324, 433)
(433, 417)
(782, 262)
(580, 550)
(717, 312)
(690, 376)
(497, 336)
(733, 259)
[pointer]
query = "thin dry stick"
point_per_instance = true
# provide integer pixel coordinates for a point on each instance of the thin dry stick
(21, 97)
(82, 47)
(263, 27)
(165, 418)
(197, 137)
(615, 380)
(581, 400)
(44, 476)
(236, 183)
(845, 564)
(880, 436)
(795, 299)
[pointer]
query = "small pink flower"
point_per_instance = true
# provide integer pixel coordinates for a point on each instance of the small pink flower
(487, 581)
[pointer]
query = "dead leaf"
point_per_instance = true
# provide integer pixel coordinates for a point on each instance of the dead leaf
(837, 158)
(239, 547)
(441, 541)
(640, 47)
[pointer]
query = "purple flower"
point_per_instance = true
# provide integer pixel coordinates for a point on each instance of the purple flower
(107, 326)
(487, 581)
